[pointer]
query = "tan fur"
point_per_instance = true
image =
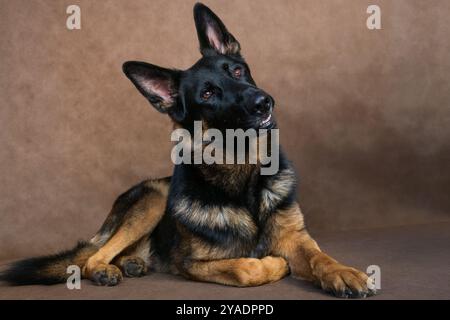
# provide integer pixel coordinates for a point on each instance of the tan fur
(237, 175)
(146, 215)
(161, 186)
(305, 258)
(277, 189)
(219, 217)
(243, 272)
(59, 268)
(100, 239)
(141, 249)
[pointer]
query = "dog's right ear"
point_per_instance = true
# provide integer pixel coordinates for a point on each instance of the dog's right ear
(212, 33)
(158, 85)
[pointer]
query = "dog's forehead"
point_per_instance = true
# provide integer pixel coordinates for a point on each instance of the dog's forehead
(208, 67)
(214, 62)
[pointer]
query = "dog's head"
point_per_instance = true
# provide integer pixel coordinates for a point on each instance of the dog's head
(218, 89)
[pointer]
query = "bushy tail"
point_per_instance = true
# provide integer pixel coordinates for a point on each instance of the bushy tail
(49, 269)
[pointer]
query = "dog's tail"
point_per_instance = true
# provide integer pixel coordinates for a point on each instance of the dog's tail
(49, 269)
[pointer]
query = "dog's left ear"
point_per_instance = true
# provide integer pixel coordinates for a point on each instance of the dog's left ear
(212, 33)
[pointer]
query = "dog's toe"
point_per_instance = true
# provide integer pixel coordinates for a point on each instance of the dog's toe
(346, 282)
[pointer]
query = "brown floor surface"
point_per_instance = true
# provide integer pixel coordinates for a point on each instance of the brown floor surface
(414, 262)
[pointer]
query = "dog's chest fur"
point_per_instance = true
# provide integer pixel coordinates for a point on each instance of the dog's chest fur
(225, 214)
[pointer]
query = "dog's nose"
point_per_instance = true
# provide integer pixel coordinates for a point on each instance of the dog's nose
(263, 103)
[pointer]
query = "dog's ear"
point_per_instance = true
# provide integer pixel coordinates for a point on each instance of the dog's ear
(212, 33)
(158, 85)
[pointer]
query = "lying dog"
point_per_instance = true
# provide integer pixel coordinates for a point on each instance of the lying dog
(219, 223)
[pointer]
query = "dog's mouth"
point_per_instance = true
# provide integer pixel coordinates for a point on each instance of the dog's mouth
(266, 122)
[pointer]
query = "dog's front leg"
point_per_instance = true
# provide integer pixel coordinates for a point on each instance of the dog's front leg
(242, 272)
(307, 261)
(138, 222)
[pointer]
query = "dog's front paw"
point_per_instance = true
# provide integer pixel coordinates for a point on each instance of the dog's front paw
(346, 282)
(132, 266)
(106, 275)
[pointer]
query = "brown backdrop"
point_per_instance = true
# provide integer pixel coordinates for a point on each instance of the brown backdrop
(364, 115)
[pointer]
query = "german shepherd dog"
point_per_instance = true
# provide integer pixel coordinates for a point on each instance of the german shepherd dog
(222, 223)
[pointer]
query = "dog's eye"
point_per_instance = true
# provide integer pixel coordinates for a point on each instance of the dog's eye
(207, 93)
(237, 72)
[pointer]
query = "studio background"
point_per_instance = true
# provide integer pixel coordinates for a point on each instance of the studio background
(364, 114)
